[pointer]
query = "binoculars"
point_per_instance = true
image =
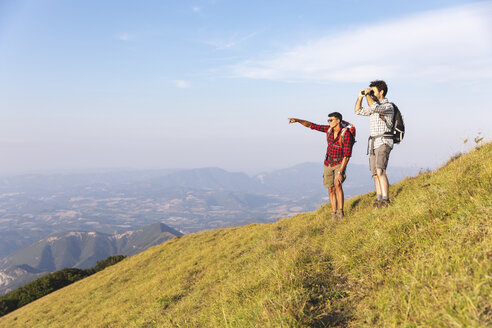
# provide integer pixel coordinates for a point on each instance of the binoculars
(370, 93)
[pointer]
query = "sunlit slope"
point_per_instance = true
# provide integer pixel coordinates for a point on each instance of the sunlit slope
(426, 261)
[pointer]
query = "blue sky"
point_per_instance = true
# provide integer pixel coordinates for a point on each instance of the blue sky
(167, 84)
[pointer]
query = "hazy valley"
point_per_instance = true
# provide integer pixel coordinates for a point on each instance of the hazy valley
(35, 206)
(49, 222)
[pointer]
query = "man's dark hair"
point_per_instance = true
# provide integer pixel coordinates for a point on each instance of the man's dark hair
(335, 114)
(381, 85)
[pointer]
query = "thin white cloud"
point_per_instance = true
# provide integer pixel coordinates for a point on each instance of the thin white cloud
(445, 44)
(124, 37)
(182, 84)
(196, 9)
(230, 42)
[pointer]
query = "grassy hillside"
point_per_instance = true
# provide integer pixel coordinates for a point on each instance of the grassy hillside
(426, 261)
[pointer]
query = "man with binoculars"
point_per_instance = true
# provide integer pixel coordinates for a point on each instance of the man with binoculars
(380, 144)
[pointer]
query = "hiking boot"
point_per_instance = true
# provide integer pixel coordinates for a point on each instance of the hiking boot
(340, 214)
(334, 215)
(385, 203)
(376, 204)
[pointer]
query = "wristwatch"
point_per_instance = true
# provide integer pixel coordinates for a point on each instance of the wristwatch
(339, 172)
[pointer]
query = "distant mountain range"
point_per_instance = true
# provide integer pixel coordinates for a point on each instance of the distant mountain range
(35, 206)
(79, 249)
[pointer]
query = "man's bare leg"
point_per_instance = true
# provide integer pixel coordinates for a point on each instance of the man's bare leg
(333, 198)
(383, 183)
(339, 195)
(377, 185)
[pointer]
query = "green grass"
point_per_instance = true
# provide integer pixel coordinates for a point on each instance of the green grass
(426, 261)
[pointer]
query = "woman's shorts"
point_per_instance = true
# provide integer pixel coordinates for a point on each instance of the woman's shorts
(329, 175)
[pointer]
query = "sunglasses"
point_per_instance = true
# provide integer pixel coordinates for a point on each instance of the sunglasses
(331, 120)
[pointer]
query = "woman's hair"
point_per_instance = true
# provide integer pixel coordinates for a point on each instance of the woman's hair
(335, 114)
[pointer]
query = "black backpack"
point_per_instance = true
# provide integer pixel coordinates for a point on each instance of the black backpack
(397, 125)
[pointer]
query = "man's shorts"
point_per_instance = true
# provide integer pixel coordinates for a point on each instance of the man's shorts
(329, 175)
(379, 160)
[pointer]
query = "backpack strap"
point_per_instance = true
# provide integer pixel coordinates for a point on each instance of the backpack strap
(390, 127)
(385, 122)
(341, 136)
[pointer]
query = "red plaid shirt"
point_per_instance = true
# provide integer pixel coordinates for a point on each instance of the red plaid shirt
(335, 152)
